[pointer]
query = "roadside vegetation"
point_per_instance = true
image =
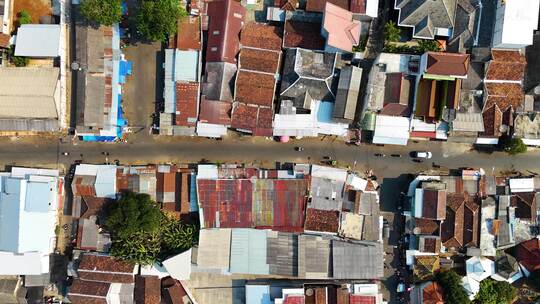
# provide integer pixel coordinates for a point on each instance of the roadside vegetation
(514, 146)
(392, 36)
(105, 12)
(142, 233)
(495, 292)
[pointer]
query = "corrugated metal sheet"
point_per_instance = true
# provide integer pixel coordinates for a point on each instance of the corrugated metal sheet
(282, 253)
(248, 251)
(357, 261)
(170, 87)
(313, 257)
(214, 248)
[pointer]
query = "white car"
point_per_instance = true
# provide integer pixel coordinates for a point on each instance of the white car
(422, 154)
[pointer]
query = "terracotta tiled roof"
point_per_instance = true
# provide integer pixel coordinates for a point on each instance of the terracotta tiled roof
(147, 290)
(88, 292)
(447, 64)
(433, 294)
(506, 65)
(504, 95)
(322, 220)
(460, 228)
(91, 205)
(187, 95)
(259, 60)
(318, 5)
(215, 112)
(173, 291)
(261, 36)
(255, 88)
(103, 268)
(528, 254)
(425, 226)
(256, 119)
(305, 35)
(358, 6)
(434, 204)
(492, 121)
(189, 33)
(286, 5)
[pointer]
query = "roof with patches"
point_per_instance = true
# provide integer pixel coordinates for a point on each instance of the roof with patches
(426, 16)
(460, 229)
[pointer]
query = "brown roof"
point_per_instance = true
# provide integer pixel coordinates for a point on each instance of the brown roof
(450, 64)
(259, 60)
(525, 204)
(506, 65)
(492, 121)
(319, 5)
(460, 229)
(255, 119)
(433, 294)
(224, 25)
(395, 109)
(189, 33)
(187, 96)
(255, 88)
(84, 185)
(358, 6)
(261, 36)
(322, 220)
(305, 35)
(104, 268)
(431, 244)
(528, 254)
(504, 95)
(147, 290)
(286, 5)
(91, 205)
(4, 40)
(434, 204)
(215, 112)
(425, 226)
(173, 291)
(88, 292)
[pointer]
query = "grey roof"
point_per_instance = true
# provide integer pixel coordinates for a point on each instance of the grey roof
(28, 92)
(527, 126)
(9, 292)
(506, 266)
(91, 238)
(357, 260)
(219, 81)
(43, 279)
(465, 26)
(326, 194)
(347, 93)
(425, 16)
(471, 122)
(32, 125)
(90, 53)
(504, 215)
(313, 257)
(307, 72)
(38, 40)
(282, 253)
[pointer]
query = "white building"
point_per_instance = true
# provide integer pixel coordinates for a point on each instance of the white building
(29, 202)
(515, 22)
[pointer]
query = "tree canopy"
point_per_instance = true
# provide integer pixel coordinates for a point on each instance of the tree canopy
(454, 293)
(23, 17)
(142, 233)
(495, 292)
(391, 32)
(105, 12)
(156, 19)
(515, 146)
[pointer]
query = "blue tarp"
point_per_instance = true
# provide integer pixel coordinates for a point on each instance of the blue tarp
(125, 67)
(193, 205)
(98, 138)
(325, 112)
(124, 8)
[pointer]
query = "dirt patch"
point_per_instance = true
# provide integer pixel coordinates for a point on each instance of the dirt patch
(36, 9)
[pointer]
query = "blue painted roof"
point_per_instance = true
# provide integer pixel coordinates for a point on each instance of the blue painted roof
(186, 66)
(39, 194)
(325, 111)
(248, 251)
(258, 294)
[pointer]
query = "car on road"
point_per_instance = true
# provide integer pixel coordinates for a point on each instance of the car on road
(422, 154)
(396, 155)
(298, 149)
(379, 155)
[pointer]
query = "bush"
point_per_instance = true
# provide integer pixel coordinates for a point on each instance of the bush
(391, 32)
(157, 19)
(106, 12)
(454, 293)
(514, 146)
(495, 292)
(17, 60)
(23, 17)
(427, 46)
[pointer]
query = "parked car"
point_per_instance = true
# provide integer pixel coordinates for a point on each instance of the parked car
(422, 154)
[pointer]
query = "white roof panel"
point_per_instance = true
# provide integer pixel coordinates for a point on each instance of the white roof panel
(38, 40)
(179, 266)
(391, 130)
(520, 20)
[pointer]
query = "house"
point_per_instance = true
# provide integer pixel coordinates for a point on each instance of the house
(347, 94)
(528, 255)
(478, 268)
(307, 97)
(256, 80)
(525, 204)
(214, 118)
(29, 204)
(34, 111)
(427, 18)
(304, 34)
(466, 25)
(427, 293)
(147, 290)
(515, 22)
(460, 228)
(219, 81)
(506, 217)
(430, 202)
(38, 41)
(503, 94)
(507, 269)
(226, 18)
(100, 77)
(342, 33)
(102, 280)
(182, 80)
(391, 130)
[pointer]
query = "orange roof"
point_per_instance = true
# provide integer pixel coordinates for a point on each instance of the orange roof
(433, 294)
(449, 64)
(343, 31)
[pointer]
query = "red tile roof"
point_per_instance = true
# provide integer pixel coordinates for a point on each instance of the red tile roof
(492, 121)
(91, 205)
(358, 6)
(318, 5)
(255, 88)
(434, 204)
(259, 60)
(261, 36)
(225, 22)
(147, 290)
(460, 227)
(252, 118)
(103, 268)
(504, 95)
(528, 254)
(506, 65)
(322, 220)
(215, 112)
(189, 33)
(294, 300)
(358, 299)
(304, 35)
(4, 40)
(88, 292)
(173, 291)
(447, 64)
(286, 5)
(84, 186)
(433, 294)
(187, 96)
(525, 204)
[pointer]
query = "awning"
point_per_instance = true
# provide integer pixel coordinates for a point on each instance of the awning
(391, 130)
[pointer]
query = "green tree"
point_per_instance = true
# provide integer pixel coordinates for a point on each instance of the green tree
(134, 212)
(454, 293)
(494, 292)
(177, 237)
(106, 12)
(18, 61)
(391, 32)
(427, 46)
(514, 146)
(23, 17)
(156, 19)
